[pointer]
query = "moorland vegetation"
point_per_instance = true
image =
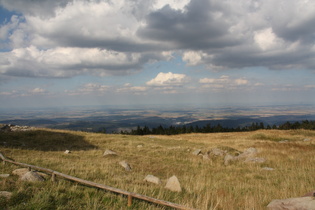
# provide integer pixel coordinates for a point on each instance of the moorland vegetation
(206, 184)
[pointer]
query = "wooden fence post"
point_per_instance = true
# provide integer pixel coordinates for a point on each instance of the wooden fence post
(53, 177)
(129, 200)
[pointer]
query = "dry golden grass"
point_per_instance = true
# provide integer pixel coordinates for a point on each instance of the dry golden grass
(206, 184)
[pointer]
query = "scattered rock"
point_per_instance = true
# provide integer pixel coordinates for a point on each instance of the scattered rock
(173, 184)
(307, 140)
(139, 146)
(267, 169)
(283, 141)
(228, 159)
(4, 175)
(125, 165)
(217, 152)
(20, 171)
(250, 152)
(32, 176)
(197, 152)
(14, 128)
(206, 157)
(255, 160)
(7, 195)
(109, 152)
(67, 152)
(152, 179)
(302, 203)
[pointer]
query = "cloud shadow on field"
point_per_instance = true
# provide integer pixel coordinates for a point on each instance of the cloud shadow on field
(44, 141)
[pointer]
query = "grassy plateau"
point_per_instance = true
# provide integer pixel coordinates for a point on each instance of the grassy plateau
(206, 184)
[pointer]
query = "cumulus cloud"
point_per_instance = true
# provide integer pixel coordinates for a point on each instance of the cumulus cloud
(64, 38)
(223, 83)
(168, 79)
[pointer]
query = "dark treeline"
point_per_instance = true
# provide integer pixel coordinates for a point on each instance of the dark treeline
(173, 130)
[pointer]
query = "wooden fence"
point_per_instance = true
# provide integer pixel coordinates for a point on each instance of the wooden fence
(130, 195)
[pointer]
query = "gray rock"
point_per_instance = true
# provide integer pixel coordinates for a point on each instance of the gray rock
(152, 179)
(267, 169)
(228, 159)
(173, 184)
(32, 176)
(302, 203)
(20, 171)
(125, 165)
(139, 146)
(284, 141)
(7, 195)
(109, 152)
(4, 175)
(307, 140)
(217, 152)
(250, 152)
(206, 157)
(67, 152)
(197, 152)
(255, 160)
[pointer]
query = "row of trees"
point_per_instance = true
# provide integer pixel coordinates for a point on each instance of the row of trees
(173, 130)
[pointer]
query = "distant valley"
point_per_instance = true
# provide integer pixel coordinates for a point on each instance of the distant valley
(115, 119)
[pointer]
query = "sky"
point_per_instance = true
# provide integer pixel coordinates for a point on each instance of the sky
(120, 52)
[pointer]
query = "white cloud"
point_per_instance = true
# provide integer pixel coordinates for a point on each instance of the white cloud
(66, 62)
(38, 91)
(65, 38)
(267, 40)
(168, 79)
(192, 57)
(224, 83)
(175, 4)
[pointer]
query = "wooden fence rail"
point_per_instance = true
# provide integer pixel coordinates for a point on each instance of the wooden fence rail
(130, 195)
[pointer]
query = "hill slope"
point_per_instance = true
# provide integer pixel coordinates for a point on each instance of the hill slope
(206, 184)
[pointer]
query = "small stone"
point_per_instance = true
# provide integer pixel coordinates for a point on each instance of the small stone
(284, 141)
(152, 179)
(255, 160)
(32, 176)
(4, 175)
(307, 140)
(173, 184)
(125, 165)
(6, 194)
(139, 146)
(109, 152)
(67, 152)
(197, 152)
(267, 169)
